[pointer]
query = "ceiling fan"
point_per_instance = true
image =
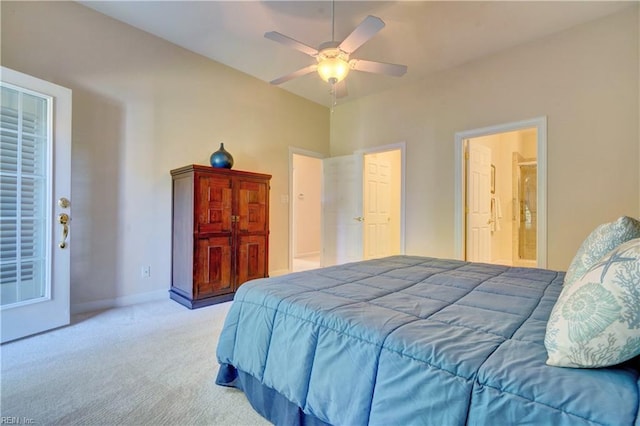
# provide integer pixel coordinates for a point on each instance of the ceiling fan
(332, 57)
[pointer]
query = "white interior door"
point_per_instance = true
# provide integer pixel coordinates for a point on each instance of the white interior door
(377, 206)
(35, 186)
(342, 210)
(478, 203)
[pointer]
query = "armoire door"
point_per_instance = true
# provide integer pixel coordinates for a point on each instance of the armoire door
(252, 206)
(213, 203)
(213, 272)
(251, 262)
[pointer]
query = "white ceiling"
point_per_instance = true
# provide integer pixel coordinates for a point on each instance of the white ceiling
(427, 36)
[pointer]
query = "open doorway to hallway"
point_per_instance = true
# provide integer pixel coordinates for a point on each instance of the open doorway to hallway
(306, 211)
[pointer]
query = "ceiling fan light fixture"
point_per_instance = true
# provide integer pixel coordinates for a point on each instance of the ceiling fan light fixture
(332, 57)
(333, 70)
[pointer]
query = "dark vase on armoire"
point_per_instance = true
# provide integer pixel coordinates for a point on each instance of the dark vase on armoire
(221, 158)
(220, 233)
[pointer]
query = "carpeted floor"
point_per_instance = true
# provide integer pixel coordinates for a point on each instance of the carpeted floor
(148, 364)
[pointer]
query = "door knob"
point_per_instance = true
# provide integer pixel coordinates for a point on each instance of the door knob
(64, 202)
(359, 218)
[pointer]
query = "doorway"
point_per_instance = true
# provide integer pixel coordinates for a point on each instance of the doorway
(501, 187)
(361, 206)
(306, 211)
(501, 194)
(35, 167)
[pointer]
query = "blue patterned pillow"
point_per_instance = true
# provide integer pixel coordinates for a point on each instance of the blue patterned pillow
(596, 320)
(601, 241)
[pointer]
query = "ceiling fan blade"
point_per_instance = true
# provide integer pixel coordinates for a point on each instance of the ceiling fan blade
(363, 32)
(341, 89)
(378, 67)
(299, 73)
(289, 42)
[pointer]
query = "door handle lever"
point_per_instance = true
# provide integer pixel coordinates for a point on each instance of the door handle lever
(63, 219)
(359, 218)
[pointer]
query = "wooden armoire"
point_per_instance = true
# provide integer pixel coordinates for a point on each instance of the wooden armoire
(220, 233)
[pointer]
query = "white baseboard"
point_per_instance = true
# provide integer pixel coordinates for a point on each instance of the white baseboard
(152, 296)
(307, 254)
(279, 272)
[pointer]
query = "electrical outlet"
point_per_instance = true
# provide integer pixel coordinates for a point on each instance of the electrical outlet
(146, 272)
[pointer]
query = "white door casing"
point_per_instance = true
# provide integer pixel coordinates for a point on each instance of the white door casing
(342, 210)
(478, 203)
(50, 309)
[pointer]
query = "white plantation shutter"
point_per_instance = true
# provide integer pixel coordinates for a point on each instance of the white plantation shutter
(24, 140)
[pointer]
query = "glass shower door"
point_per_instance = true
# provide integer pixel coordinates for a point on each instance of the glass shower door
(528, 195)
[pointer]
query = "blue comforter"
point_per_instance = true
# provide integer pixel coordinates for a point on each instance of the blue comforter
(413, 340)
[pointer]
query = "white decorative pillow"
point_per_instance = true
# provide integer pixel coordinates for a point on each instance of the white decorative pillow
(596, 321)
(601, 241)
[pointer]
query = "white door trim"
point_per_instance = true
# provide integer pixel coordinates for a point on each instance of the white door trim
(540, 123)
(402, 146)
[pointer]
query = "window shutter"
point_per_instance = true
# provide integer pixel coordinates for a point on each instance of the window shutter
(23, 197)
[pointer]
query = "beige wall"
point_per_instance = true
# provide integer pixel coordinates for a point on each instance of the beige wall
(585, 80)
(141, 107)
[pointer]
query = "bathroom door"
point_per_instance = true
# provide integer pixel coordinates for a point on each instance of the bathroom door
(478, 199)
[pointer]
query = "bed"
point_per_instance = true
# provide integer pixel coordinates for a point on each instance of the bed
(412, 340)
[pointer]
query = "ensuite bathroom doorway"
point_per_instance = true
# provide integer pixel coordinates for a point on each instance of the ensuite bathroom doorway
(501, 199)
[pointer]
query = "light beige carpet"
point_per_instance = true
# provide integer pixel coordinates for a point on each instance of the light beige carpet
(148, 364)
